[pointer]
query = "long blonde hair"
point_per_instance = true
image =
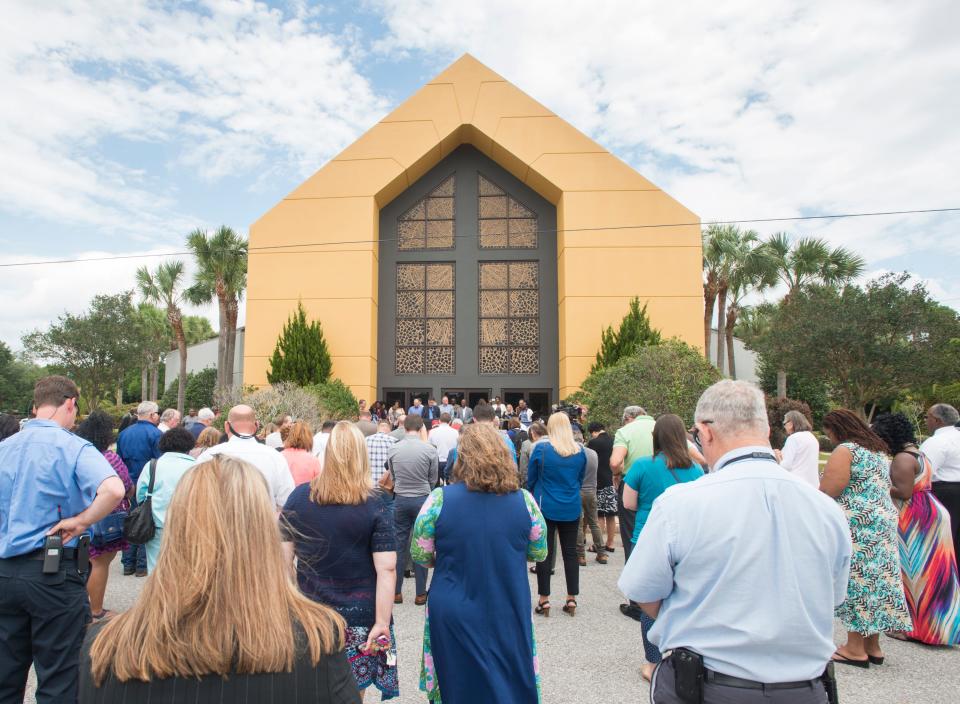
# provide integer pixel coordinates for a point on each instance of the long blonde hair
(221, 599)
(346, 478)
(484, 462)
(561, 435)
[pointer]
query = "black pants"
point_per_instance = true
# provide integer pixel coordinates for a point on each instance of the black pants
(663, 691)
(567, 531)
(43, 619)
(628, 520)
(948, 493)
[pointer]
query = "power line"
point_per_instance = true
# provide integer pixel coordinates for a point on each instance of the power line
(274, 249)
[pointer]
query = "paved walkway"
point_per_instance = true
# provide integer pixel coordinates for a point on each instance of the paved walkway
(595, 657)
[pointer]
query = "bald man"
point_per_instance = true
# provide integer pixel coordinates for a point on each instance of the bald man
(241, 428)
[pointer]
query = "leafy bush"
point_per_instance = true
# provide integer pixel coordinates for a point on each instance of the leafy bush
(336, 400)
(117, 412)
(777, 408)
(273, 401)
(811, 391)
(634, 332)
(665, 378)
(301, 355)
(825, 444)
(198, 392)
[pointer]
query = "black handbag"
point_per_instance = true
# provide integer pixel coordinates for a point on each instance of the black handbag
(138, 527)
(108, 529)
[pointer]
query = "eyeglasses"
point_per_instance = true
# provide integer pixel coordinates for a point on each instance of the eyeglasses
(696, 431)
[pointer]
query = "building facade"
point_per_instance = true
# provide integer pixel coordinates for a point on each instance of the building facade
(471, 244)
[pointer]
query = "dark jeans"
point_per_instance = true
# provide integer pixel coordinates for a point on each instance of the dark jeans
(948, 493)
(568, 548)
(43, 619)
(663, 691)
(627, 519)
(405, 511)
(134, 556)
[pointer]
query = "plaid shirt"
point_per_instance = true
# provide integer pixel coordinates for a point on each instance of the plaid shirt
(378, 450)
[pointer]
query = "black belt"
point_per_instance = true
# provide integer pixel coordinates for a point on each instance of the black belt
(730, 681)
(68, 554)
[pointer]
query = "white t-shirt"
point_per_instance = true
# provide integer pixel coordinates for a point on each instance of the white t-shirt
(271, 464)
(801, 457)
(274, 440)
(943, 450)
(320, 445)
(444, 438)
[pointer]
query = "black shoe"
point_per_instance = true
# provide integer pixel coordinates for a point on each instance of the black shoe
(408, 574)
(631, 611)
(141, 573)
(127, 571)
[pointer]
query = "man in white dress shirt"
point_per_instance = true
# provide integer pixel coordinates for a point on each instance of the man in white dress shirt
(241, 428)
(742, 568)
(444, 438)
(942, 448)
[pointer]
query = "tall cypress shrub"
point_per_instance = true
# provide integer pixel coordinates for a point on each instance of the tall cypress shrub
(301, 355)
(634, 332)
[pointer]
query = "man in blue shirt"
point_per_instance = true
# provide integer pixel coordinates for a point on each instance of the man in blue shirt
(743, 567)
(416, 409)
(51, 482)
(137, 445)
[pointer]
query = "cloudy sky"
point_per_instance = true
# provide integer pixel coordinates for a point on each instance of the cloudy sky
(125, 125)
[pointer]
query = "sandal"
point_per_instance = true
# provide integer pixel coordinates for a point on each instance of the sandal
(844, 660)
(609, 549)
(542, 608)
(570, 610)
(875, 659)
(592, 549)
(602, 559)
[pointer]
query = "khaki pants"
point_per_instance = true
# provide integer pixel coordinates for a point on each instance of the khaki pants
(588, 500)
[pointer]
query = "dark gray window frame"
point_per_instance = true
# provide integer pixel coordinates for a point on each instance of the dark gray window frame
(465, 163)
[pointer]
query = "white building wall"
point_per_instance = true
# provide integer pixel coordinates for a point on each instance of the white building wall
(203, 355)
(745, 360)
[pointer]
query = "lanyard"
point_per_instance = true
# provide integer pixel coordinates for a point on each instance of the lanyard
(765, 456)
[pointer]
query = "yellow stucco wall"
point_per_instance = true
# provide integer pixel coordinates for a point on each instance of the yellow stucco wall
(609, 245)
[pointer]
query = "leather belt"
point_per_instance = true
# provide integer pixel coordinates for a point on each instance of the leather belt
(731, 681)
(68, 554)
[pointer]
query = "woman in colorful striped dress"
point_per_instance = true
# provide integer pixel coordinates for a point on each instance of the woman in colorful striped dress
(927, 556)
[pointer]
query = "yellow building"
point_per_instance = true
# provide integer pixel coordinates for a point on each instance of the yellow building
(471, 243)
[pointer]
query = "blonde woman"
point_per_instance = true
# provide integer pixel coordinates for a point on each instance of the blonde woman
(554, 477)
(209, 437)
(343, 536)
(203, 629)
(478, 643)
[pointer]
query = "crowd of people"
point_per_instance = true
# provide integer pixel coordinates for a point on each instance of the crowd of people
(738, 556)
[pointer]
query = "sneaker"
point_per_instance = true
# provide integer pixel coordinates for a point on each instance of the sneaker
(420, 599)
(602, 559)
(631, 611)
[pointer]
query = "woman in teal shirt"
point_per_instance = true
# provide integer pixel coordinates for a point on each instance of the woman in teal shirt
(649, 477)
(175, 444)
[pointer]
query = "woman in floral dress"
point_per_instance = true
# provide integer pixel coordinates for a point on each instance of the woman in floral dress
(478, 534)
(858, 476)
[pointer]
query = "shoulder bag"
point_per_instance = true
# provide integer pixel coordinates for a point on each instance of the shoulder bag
(138, 527)
(386, 481)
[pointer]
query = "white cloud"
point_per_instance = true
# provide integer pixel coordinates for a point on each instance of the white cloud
(742, 109)
(223, 86)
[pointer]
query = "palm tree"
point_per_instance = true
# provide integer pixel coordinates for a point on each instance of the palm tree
(735, 251)
(221, 274)
(755, 271)
(810, 260)
(155, 337)
(164, 287)
(712, 240)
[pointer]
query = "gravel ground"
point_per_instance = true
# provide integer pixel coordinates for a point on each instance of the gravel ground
(595, 657)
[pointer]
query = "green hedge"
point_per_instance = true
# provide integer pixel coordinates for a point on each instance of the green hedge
(198, 393)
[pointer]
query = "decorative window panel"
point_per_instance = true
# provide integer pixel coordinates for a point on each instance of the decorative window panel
(430, 223)
(505, 223)
(425, 340)
(509, 317)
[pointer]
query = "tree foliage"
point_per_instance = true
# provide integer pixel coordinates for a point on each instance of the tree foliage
(199, 390)
(164, 286)
(664, 378)
(634, 332)
(777, 408)
(273, 401)
(301, 355)
(17, 378)
(867, 345)
(336, 401)
(95, 348)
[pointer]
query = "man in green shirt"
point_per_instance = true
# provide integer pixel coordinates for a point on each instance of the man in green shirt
(633, 440)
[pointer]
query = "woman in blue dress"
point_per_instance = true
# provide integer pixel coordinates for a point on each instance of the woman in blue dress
(478, 534)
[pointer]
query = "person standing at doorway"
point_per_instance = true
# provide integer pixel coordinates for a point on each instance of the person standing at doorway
(525, 414)
(466, 413)
(416, 409)
(446, 407)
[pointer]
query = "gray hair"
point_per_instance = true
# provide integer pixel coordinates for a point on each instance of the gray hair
(147, 408)
(168, 415)
(631, 412)
(206, 414)
(946, 413)
(799, 421)
(733, 408)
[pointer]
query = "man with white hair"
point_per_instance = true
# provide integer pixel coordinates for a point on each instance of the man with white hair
(205, 417)
(170, 418)
(942, 448)
(137, 444)
(241, 428)
(741, 569)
